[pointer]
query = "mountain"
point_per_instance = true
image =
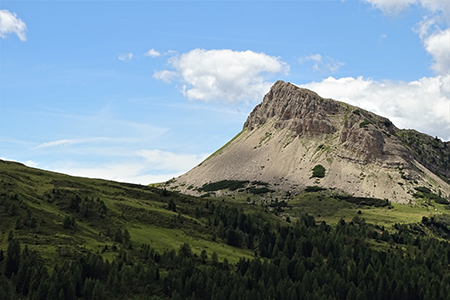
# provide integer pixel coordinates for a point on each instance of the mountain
(295, 139)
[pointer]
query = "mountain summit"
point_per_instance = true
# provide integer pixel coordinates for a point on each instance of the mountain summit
(295, 139)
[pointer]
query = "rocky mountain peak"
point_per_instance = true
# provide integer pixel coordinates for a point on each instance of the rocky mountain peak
(299, 110)
(293, 130)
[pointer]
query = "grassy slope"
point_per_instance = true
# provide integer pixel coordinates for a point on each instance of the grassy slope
(328, 209)
(141, 210)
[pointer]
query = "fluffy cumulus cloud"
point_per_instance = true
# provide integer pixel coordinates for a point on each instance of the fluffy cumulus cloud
(152, 53)
(126, 57)
(423, 104)
(322, 64)
(9, 23)
(223, 75)
(438, 45)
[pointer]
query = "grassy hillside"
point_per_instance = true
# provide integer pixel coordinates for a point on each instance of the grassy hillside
(66, 237)
(39, 207)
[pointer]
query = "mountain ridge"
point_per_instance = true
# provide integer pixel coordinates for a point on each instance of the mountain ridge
(294, 129)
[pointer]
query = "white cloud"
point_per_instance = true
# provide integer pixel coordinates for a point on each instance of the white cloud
(224, 75)
(423, 105)
(64, 142)
(323, 64)
(168, 161)
(396, 6)
(145, 167)
(152, 53)
(165, 75)
(9, 23)
(125, 56)
(438, 45)
(68, 142)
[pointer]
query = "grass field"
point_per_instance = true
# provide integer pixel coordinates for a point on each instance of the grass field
(331, 210)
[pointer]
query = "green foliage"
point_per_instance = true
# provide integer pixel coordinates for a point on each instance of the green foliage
(69, 222)
(386, 122)
(426, 193)
(318, 171)
(429, 151)
(364, 200)
(172, 206)
(232, 185)
(364, 124)
(301, 261)
(188, 257)
(258, 191)
(314, 188)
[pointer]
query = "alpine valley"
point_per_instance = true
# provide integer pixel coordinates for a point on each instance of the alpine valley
(313, 199)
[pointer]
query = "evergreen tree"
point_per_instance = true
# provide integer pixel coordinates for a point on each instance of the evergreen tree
(12, 258)
(6, 289)
(118, 236)
(97, 292)
(126, 236)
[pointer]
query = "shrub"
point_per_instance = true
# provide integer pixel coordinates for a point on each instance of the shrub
(318, 171)
(364, 201)
(314, 188)
(364, 124)
(232, 185)
(424, 192)
(258, 191)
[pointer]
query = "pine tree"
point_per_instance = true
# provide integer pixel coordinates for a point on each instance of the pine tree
(61, 295)
(126, 236)
(6, 289)
(97, 292)
(12, 258)
(118, 236)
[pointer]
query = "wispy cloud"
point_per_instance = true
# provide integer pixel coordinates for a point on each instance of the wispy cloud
(165, 75)
(143, 167)
(68, 142)
(169, 161)
(152, 53)
(126, 57)
(9, 23)
(63, 142)
(322, 64)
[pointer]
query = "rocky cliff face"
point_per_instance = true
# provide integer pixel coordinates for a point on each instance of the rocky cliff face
(294, 129)
(299, 110)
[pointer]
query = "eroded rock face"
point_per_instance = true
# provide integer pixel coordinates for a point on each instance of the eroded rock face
(365, 143)
(299, 110)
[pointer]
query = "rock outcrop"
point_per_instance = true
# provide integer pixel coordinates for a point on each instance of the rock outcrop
(294, 129)
(299, 110)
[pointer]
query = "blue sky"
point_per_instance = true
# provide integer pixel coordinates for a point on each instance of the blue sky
(142, 91)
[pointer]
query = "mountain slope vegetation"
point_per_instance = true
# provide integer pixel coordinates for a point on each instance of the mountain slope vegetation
(66, 237)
